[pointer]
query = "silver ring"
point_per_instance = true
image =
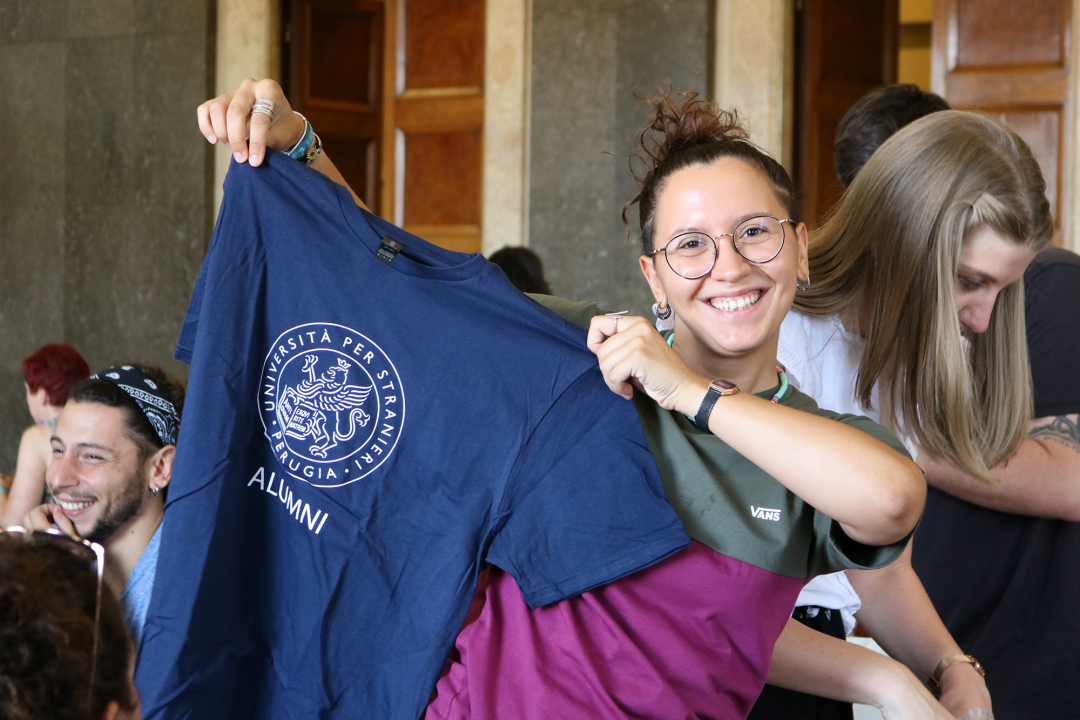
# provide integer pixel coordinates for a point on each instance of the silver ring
(263, 106)
(615, 316)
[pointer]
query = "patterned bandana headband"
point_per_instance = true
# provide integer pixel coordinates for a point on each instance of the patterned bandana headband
(144, 391)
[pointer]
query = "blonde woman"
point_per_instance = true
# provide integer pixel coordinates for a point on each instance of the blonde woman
(915, 316)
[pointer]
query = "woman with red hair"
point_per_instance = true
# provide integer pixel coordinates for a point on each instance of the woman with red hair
(49, 374)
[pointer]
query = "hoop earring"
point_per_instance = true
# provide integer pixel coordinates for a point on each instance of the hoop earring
(154, 491)
(803, 285)
(664, 317)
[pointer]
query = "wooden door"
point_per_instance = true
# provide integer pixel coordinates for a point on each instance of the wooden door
(1010, 59)
(437, 116)
(844, 49)
(395, 89)
(334, 75)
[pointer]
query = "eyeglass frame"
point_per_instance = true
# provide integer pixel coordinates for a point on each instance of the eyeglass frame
(716, 245)
(99, 554)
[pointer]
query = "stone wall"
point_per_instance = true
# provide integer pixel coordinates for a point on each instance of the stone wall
(589, 58)
(104, 183)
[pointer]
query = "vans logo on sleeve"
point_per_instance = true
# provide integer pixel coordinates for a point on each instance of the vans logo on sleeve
(763, 513)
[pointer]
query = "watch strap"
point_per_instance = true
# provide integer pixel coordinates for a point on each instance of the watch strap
(717, 389)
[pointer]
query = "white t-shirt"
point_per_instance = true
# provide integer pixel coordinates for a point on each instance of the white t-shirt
(822, 360)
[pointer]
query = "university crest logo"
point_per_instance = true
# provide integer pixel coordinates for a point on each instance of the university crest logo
(331, 404)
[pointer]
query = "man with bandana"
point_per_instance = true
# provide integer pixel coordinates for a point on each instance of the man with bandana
(112, 457)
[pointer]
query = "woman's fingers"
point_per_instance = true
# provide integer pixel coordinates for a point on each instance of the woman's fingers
(46, 516)
(236, 119)
(632, 354)
(230, 119)
(263, 129)
(206, 127)
(613, 338)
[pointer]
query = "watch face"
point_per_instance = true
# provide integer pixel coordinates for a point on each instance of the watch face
(725, 387)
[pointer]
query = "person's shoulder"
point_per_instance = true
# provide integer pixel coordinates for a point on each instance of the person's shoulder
(1052, 280)
(803, 340)
(804, 334)
(37, 434)
(579, 313)
(1054, 258)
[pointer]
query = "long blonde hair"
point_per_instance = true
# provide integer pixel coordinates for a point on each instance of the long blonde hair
(890, 251)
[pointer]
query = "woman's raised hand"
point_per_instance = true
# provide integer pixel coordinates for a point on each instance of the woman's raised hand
(229, 119)
(632, 354)
(48, 516)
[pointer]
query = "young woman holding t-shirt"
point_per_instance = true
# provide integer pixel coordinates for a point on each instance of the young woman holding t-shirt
(772, 489)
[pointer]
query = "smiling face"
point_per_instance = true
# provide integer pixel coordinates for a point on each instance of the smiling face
(735, 311)
(989, 262)
(97, 473)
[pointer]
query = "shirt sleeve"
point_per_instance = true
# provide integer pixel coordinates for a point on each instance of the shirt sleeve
(584, 504)
(185, 345)
(833, 549)
(1053, 301)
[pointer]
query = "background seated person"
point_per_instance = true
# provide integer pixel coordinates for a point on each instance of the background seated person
(996, 558)
(48, 602)
(49, 374)
(113, 451)
(524, 269)
(916, 304)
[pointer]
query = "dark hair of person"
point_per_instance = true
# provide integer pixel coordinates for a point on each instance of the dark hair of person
(55, 367)
(523, 269)
(690, 133)
(873, 119)
(47, 602)
(139, 429)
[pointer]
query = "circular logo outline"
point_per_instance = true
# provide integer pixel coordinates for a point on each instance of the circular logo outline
(314, 409)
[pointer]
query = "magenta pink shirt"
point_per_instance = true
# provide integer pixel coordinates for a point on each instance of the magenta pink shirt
(690, 637)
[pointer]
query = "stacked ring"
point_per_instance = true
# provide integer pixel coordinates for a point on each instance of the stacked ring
(263, 106)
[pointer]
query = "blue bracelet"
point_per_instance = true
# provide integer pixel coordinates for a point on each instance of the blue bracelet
(301, 148)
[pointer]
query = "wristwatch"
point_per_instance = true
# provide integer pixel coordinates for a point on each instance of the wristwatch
(717, 388)
(935, 679)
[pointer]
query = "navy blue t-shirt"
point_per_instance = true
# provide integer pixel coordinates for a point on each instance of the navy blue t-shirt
(361, 437)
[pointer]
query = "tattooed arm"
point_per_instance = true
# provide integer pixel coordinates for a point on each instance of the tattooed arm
(1043, 479)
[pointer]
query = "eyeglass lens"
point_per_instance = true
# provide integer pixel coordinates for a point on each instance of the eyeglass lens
(693, 255)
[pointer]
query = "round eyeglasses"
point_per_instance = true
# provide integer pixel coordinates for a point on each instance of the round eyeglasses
(693, 255)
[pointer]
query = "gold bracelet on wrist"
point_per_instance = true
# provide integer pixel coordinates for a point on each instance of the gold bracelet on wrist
(947, 662)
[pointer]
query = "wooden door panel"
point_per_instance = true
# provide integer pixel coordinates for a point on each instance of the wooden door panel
(845, 49)
(358, 160)
(1010, 60)
(438, 116)
(444, 44)
(1042, 130)
(434, 113)
(395, 88)
(344, 57)
(967, 89)
(991, 33)
(335, 78)
(442, 179)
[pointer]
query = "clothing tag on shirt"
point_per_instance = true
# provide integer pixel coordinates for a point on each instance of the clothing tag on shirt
(388, 250)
